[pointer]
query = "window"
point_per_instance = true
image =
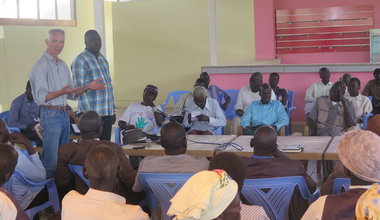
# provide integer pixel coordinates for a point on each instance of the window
(37, 12)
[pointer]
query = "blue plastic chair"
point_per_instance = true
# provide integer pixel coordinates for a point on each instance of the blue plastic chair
(4, 115)
(175, 95)
(366, 117)
(117, 136)
(288, 129)
(341, 185)
(161, 187)
(274, 194)
(51, 187)
(77, 170)
(230, 111)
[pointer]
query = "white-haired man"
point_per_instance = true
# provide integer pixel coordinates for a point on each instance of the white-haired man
(203, 115)
(51, 83)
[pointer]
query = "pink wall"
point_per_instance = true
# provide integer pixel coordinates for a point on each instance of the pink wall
(264, 25)
(297, 82)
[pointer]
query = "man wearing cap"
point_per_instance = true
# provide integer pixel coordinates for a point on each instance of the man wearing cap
(268, 162)
(90, 65)
(143, 115)
(358, 152)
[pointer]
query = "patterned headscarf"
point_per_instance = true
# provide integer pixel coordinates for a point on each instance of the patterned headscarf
(368, 205)
(151, 88)
(359, 152)
(204, 196)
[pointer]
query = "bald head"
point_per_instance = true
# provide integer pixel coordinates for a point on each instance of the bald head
(264, 141)
(101, 165)
(173, 138)
(4, 132)
(93, 41)
(8, 161)
(90, 125)
(374, 124)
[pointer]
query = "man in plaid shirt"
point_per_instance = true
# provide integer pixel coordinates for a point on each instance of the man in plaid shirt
(86, 67)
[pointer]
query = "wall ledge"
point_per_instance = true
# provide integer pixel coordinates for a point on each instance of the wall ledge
(291, 68)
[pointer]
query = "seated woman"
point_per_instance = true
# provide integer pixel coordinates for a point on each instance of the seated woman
(216, 199)
(142, 115)
(203, 114)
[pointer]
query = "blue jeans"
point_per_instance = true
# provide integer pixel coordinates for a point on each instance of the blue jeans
(56, 131)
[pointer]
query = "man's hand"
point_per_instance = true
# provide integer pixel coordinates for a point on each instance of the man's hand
(342, 91)
(248, 130)
(224, 106)
(17, 138)
(203, 118)
(96, 85)
(113, 118)
(67, 89)
(239, 112)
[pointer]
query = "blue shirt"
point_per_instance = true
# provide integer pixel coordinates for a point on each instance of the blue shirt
(270, 114)
(85, 68)
(217, 94)
(23, 112)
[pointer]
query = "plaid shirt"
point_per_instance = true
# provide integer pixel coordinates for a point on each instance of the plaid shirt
(86, 68)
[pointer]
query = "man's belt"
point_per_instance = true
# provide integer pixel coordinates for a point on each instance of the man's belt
(60, 108)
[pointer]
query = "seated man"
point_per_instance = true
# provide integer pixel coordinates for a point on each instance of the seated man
(91, 128)
(246, 96)
(143, 115)
(264, 112)
(100, 202)
(268, 162)
(362, 104)
(204, 114)
(373, 89)
(282, 94)
(356, 150)
(28, 165)
(180, 106)
(173, 140)
(9, 208)
(332, 115)
(318, 89)
(24, 114)
(215, 92)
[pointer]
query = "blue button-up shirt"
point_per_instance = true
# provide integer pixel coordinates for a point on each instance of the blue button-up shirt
(23, 112)
(271, 114)
(211, 109)
(85, 68)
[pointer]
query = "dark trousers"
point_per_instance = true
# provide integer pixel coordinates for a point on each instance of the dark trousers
(107, 128)
(32, 135)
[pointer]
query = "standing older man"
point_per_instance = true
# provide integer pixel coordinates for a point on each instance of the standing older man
(88, 66)
(51, 87)
(264, 112)
(204, 114)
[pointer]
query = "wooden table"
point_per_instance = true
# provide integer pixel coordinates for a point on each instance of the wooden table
(314, 147)
(193, 147)
(331, 152)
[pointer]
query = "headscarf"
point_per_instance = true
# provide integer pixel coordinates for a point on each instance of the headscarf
(368, 205)
(204, 196)
(151, 88)
(359, 152)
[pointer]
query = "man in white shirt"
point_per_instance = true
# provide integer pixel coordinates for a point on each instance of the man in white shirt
(361, 103)
(100, 203)
(203, 115)
(246, 96)
(318, 89)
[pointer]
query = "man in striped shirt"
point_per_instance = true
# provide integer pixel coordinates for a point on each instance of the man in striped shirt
(86, 67)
